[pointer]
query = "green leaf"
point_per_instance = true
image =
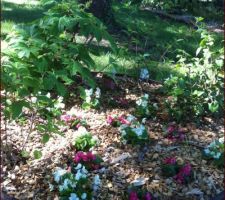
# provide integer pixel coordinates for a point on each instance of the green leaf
(17, 107)
(213, 107)
(45, 138)
(86, 106)
(25, 154)
(37, 154)
(61, 89)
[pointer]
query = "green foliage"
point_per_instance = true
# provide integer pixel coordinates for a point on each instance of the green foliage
(199, 92)
(85, 142)
(44, 56)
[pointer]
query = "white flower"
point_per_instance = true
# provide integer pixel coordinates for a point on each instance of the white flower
(48, 95)
(96, 182)
(59, 103)
(146, 96)
(139, 131)
(98, 92)
(139, 102)
(78, 175)
(84, 196)
(88, 99)
(57, 174)
(81, 131)
(144, 104)
(73, 196)
(79, 166)
(144, 74)
(206, 151)
(221, 140)
(143, 121)
(130, 118)
(33, 99)
(217, 156)
(88, 92)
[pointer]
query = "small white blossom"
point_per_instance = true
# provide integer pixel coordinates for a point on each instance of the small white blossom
(130, 118)
(144, 104)
(88, 99)
(58, 174)
(73, 196)
(206, 151)
(221, 140)
(143, 121)
(144, 74)
(139, 102)
(48, 95)
(88, 92)
(84, 196)
(146, 96)
(33, 99)
(98, 93)
(79, 166)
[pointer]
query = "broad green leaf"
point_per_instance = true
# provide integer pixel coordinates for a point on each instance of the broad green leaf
(45, 138)
(37, 154)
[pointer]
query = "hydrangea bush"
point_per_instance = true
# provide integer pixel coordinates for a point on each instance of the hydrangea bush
(182, 173)
(133, 133)
(76, 186)
(215, 151)
(84, 140)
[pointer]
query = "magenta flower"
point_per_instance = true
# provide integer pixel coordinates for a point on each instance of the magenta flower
(78, 157)
(133, 196)
(110, 119)
(148, 196)
(186, 170)
(123, 120)
(170, 161)
(171, 129)
(91, 156)
(179, 178)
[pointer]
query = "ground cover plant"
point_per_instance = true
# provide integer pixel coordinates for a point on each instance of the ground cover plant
(126, 105)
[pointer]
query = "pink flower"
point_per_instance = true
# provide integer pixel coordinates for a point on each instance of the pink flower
(78, 157)
(78, 125)
(148, 196)
(67, 118)
(91, 156)
(133, 196)
(123, 120)
(171, 129)
(170, 161)
(110, 119)
(85, 158)
(186, 170)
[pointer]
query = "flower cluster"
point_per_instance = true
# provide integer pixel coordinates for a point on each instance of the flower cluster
(139, 194)
(134, 132)
(84, 140)
(117, 121)
(174, 133)
(73, 121)
(91, 98)
(88, 159)
(182, 173)
(215, 150)
(142, 109)
(76, 186)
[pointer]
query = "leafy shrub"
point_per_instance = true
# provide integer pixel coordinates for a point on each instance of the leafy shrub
(85, 141)
(199, 92)
(75, 186)
(215, 151)
(45, 55)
